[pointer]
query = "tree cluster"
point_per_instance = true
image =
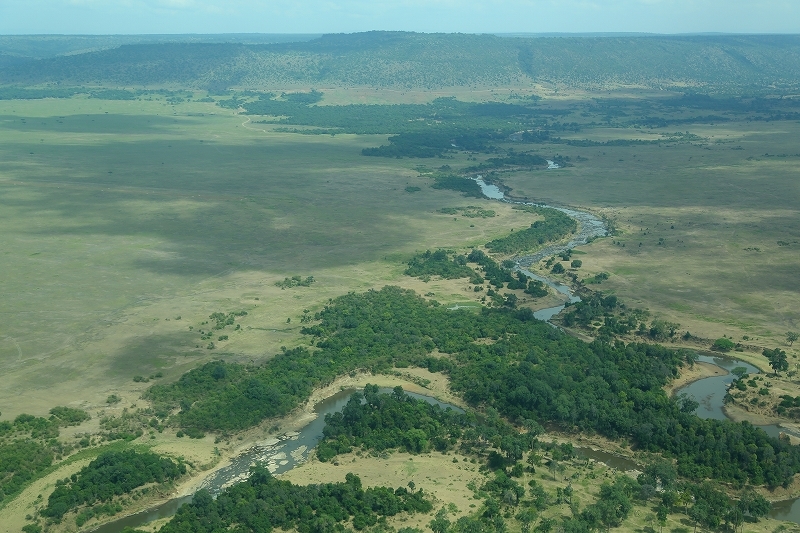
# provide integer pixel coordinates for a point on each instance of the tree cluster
(295, 281)
(381, 422)
(556, 225)
(466, 186)
(112, 474)
(263, 503)
(528, 371)
(439, 263)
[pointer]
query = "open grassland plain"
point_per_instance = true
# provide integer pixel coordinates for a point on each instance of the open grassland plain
(126, 224)
(707, 231)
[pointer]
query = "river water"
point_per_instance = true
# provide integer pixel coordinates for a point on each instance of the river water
(710, 393)
(283, 453)
(278, 454)
(589, 227)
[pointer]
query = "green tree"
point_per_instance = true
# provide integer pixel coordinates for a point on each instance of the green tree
(440, 524)
(526, 517)
(723, 345)
(792, 336)
(739, 372)
(576, 263)
(777, 359)
(661, 516)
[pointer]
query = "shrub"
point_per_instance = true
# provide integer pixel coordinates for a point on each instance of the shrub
(723, 345)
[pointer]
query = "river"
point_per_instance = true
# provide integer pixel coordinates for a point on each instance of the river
(283, 453)
(278, 454)
(710, 392)
(589, 227)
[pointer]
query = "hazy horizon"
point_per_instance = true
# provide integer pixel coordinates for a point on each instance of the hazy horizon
(542, 17)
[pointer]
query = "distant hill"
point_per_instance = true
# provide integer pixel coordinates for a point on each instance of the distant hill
(432, 61)
(44, 46)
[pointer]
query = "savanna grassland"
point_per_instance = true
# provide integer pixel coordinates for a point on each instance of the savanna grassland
(146, 235)
(707, 229)
(121, 217)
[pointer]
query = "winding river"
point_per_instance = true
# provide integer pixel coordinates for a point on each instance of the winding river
(278, 454)
(709, 393)
(283, 453)
(589, 227)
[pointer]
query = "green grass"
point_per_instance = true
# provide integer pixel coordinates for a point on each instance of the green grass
(119, 215)
(723, 203)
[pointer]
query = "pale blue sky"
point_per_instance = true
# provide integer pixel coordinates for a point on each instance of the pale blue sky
(333, 16)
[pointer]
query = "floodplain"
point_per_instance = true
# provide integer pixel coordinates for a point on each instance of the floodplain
(127, 224)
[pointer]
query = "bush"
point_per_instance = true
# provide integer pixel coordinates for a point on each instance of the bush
(723, 345)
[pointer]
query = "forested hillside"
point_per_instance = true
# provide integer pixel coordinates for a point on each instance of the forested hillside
(428, 61)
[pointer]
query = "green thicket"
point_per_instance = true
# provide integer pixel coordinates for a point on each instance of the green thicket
(112, 474)
(528, 371)
(439, 263)
(295, 281)
(467, 123)
(496, 274)
(263, 503)
(378, 421)
(436, 144)
(29, 445)
(556, 225)
(420, 130)
(512, 159)
(68, 416)
(21, 460)
(469, 211)
(397, 421)
(17, 93)
(536, 288)
(463, 185)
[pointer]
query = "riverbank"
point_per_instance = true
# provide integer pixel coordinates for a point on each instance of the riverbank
(696, 372)
(267, 435)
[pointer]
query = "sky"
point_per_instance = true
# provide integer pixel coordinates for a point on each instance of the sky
(346, 16)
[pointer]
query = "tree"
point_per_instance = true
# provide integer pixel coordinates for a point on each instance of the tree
(661, 516)
(545, 525)
(723, 345)
(526, 517)
(792, 336)
(777, 359)
(558, 268)
(739, 372)
(553, 466)
(440, 524)
(576, 263)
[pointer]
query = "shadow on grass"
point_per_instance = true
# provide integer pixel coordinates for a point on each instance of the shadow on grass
(216, 208)
(145, 356)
